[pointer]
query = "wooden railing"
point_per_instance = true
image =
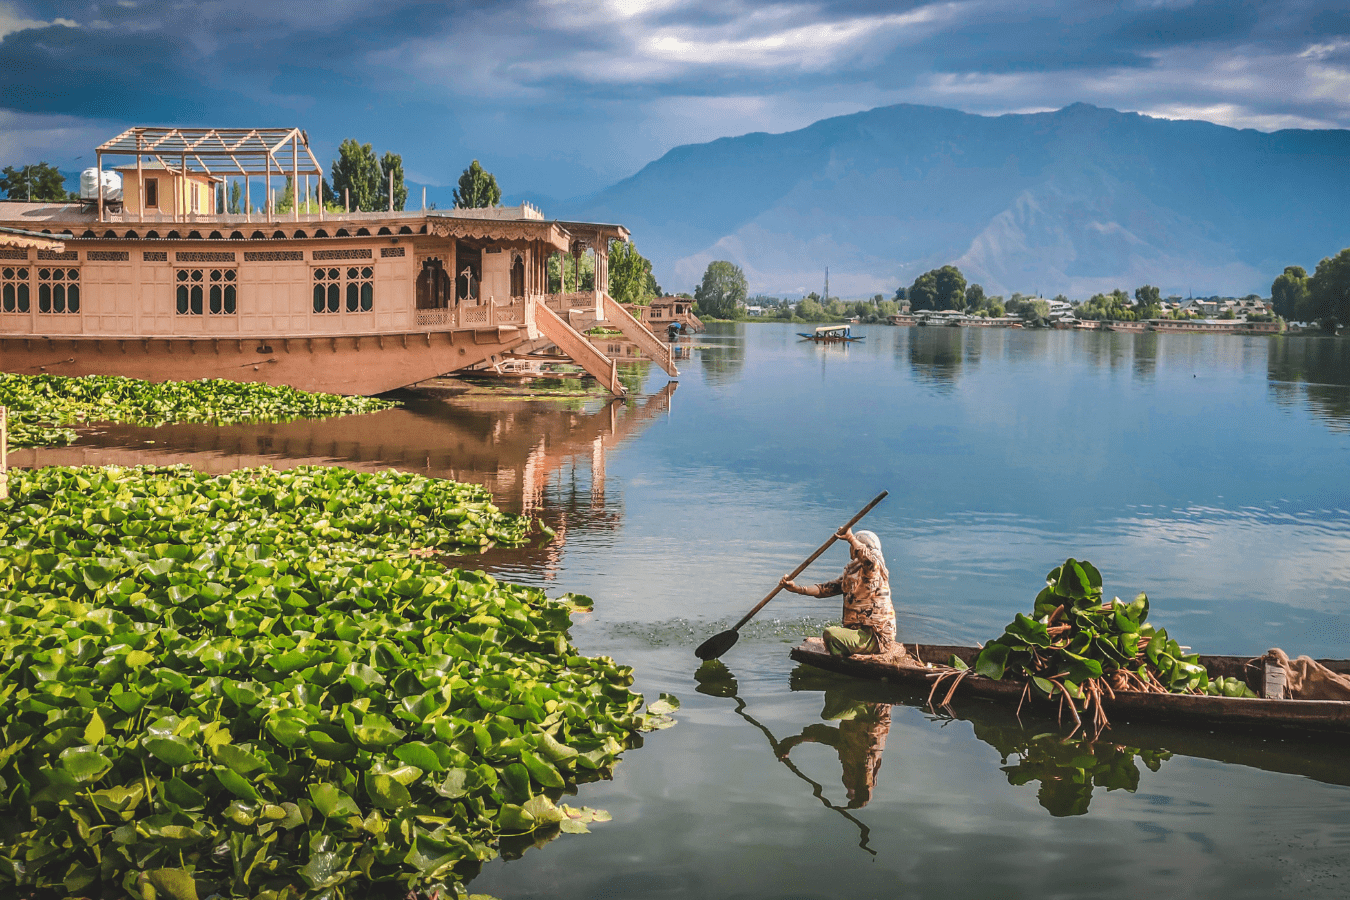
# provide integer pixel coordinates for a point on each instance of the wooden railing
(435, 318)
(488, 315)
(561, 303)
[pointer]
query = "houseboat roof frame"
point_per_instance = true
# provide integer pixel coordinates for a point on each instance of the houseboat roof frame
(249, 151)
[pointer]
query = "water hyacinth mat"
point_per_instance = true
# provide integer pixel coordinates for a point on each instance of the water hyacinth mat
(260, 685)
(42, 406)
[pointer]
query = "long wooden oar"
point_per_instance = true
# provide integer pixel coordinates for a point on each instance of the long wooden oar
(720, 643)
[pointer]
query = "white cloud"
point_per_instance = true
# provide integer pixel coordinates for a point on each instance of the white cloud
(11, 21)
(1241, 87)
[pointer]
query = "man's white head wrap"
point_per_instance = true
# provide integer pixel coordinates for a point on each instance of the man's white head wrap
(869, 538)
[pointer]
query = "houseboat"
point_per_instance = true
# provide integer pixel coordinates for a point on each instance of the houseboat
(153, 282)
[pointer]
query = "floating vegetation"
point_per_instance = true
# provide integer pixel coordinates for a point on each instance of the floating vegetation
(259, 685)
(42, 407)
(1076, 648)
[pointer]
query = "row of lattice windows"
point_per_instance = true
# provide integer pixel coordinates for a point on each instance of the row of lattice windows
(198, 291)
(207, 290)
(58, 290)
(359, 287)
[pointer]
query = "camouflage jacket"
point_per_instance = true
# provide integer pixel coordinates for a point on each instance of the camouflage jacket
(867, 596)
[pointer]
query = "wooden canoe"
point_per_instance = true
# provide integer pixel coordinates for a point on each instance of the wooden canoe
(1319, 716)
(831, 334)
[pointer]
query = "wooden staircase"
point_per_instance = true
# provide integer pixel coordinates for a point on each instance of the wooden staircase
(639, 334)
(581, 351)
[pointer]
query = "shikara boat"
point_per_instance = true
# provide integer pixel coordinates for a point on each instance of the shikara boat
(917, 670)
(831, 333)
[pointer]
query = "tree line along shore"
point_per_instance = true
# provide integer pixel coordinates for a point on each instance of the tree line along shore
(1321, 301)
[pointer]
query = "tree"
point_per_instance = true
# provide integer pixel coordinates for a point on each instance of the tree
(923, 292)
(1029, 308)
(283, 201)
(722, 291)
(630, 273)
(943, 288)
(975, 297)
(1149, 300)
(567, 279)
(951, 287)
(392, 163)
(36, 182)
(357, 171)
(1289, 295)
(477, 189)
(236, 205)
(810, 309)
(1329, 290)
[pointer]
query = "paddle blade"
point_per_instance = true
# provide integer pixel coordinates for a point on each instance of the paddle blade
(718, 644)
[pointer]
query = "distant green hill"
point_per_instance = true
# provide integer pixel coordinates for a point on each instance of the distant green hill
(1074, 201)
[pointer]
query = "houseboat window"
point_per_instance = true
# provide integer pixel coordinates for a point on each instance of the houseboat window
(207, 290)
(14, 289)
(58, 291)
(223, 294)
(356, 282)
(152, 192)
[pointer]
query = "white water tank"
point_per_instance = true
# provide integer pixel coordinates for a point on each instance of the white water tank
(112, 185)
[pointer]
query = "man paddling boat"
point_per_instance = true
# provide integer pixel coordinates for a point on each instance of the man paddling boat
(869, 617)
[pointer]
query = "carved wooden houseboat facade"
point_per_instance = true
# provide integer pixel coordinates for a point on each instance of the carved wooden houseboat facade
(355, 303)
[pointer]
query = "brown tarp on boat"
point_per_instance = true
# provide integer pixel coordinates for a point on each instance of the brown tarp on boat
(1307, 679)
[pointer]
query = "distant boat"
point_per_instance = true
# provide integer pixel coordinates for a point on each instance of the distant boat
(831, 334)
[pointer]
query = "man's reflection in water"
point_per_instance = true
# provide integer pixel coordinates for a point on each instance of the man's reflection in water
(859, 740)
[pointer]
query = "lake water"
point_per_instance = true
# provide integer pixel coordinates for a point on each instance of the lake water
(1212, 472)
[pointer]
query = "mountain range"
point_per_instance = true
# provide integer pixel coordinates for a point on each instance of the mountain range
(1074, 201)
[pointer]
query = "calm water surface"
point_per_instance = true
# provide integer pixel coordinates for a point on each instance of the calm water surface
(1212, 472)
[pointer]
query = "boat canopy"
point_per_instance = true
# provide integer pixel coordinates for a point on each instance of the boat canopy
(832, 329)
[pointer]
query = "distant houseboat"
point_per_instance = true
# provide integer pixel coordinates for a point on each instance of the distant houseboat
(151, 282)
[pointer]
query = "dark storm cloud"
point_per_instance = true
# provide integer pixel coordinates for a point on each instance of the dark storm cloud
(583, 93)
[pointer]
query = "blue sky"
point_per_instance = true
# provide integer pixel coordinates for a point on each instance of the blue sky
(562, 98)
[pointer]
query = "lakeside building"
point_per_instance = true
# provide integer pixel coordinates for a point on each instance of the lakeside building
(156, 284)
(660, 313)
